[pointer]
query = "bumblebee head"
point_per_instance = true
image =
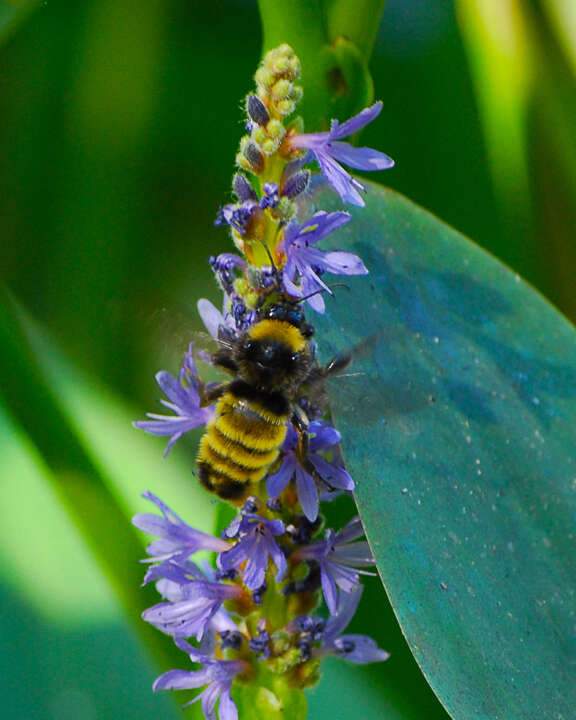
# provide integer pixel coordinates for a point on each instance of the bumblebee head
(274, 353)
(289, 313)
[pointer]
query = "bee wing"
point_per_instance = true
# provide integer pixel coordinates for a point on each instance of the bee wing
(172, 331)
(360, 390)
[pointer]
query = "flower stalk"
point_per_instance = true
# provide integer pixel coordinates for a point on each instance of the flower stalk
(281, 588)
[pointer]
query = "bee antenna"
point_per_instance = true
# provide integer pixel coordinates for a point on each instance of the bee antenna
(269, 256)
(322, 290)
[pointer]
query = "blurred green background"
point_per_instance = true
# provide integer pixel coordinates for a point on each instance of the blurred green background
(119, 122)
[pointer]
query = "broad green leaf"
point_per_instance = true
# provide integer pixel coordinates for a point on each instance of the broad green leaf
(460, 433)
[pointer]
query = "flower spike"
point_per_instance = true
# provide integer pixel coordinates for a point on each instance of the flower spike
(240, 613)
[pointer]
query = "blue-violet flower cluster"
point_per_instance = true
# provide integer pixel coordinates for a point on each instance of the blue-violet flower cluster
(273, 594)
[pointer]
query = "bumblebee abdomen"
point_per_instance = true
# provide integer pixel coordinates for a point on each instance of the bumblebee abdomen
(239, 446)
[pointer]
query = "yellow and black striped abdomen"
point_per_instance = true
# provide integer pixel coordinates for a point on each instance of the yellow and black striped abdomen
(240, 444)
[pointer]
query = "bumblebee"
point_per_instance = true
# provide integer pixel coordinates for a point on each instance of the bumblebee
(271, 363)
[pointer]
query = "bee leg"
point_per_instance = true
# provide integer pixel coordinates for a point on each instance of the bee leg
(340, 362)
(300, 422)
(208, 394)
(222, 359)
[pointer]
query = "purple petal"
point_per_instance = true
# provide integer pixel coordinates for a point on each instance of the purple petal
(210, 316)
(356, 555)
(365, 650)
(166, 424)
(195, 654)
(317, 303)
(356, 123)
(276, 482)
(341, 181)
(322, 224)
(323, 436)
(227, 708)
(330, 591)
(181, 680)
(255, 570)
(235, 557)
(333, 475)
(184, 397)
(221, 622)
(276, 527)
(279, 559)
(346, 578)
(344, 263)
(352, 531)
(289, 285)
(363, 158)
(346, 610)
(312, 288)
(209, 699)
(307, 493)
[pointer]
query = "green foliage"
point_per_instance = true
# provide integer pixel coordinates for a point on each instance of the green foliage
(12, 13)
(334, 41)
(270, 703)
(459, 430)
(116, 145)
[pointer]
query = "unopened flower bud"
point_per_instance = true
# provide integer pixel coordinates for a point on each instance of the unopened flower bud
(264, 77)
(269, 146)
(285, 107)
(276, 129)
(257, 110)
(243, 189)
(296, 93)
(250, 157)
(281, 89)
(296, 184)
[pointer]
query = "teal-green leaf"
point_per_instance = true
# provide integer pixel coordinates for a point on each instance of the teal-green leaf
(460, 432)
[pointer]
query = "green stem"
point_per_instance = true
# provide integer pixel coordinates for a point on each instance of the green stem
(333, 40)
(357, 21)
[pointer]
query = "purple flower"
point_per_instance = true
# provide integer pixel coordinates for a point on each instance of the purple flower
(328, 150)
(172, 583)
(358, 649)
(177, 540)
(192, 607)
(224, 266)
(239, 215)
(322, 437)
(217, 675)
(214, 321)
(184, 401)
(255, 547)
(306, 261)
(338, 556)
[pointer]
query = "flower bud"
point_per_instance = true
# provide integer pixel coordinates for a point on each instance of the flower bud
(250, 157)
(285, 107)
(296, 184)
(257, 110)
(281, 89)
(264, 78)
(243, 189)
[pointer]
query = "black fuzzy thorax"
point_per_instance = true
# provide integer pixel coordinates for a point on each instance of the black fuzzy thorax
(275, 402)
